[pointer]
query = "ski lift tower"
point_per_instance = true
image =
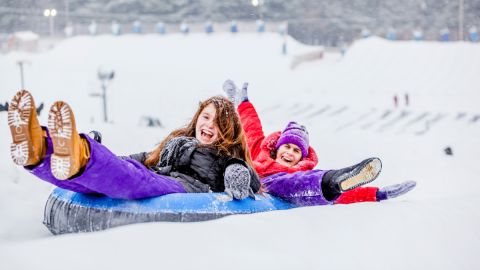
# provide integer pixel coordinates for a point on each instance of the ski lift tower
(105, 76)
(21, 64)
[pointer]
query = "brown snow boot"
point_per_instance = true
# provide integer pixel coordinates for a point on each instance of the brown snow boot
(29, 145)
(70, 151)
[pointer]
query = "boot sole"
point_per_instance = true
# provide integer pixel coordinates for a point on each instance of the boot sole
(19, 113)
(365, 175)
(61, 128)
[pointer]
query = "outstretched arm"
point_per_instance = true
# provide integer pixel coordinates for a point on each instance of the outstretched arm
(252, 126)
(248, 116)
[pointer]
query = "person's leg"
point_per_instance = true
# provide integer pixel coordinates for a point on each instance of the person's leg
(31, 146)
(375, 194)
(43, 170)
(103, 172)
(301, 188)
(318, 187)
(360, 194)
(83, 161)
(339, 181)
(107, 174)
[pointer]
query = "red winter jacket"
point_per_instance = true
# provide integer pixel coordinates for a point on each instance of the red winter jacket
(261, 148)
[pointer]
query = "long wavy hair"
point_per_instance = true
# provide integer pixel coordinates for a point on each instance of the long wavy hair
(231, 139)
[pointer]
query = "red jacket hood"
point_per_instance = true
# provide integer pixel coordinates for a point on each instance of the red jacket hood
(265, 165)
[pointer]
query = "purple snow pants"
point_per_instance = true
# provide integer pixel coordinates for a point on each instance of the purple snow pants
(107, 174)
(301, 188)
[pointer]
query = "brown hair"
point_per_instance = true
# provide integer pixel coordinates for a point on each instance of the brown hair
(231, 139)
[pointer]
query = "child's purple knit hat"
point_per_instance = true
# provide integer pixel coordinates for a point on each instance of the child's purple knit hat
(296, 134)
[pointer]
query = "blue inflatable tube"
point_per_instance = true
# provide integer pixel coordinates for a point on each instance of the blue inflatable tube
(67, 211)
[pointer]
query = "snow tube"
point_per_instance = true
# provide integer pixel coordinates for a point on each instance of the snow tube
(67, 211)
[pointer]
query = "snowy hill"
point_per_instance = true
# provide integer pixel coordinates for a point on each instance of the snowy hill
(347, 105)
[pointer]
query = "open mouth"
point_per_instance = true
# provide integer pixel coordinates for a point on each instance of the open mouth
(206, 134)
(286, 159)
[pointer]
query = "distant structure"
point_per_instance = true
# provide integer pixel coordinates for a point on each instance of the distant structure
(69, 30)
(365, 33)
(260, 26)
(92, 28)
(473, 34)
(445, 35)
(283, 29)
(233, 27)
(417, 35)
(208, 27)
(391, 34)
(116, 28)
(184, 28)
(160, 27)
(137, 27)
(22, 41)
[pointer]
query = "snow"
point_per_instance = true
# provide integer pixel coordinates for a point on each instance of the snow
(347, 105)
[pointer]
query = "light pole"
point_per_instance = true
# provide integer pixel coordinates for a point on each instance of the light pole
(20, 64)
(50, 14)
(67, 12)
(105, 76)
(258, 4)
(460, 20)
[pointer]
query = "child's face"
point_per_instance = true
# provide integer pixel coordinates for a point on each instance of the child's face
(288, 154)
(206, 131)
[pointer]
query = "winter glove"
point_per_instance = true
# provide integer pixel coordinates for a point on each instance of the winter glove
(237, 182)
(177, 151)
(393, 191)
(234, 94)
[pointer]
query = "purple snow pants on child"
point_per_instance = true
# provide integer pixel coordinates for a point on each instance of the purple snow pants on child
(301, 188)
(107, 174)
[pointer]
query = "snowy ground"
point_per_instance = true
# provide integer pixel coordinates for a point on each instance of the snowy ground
(346, 103)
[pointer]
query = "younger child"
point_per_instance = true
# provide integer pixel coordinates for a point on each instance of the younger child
(285, 161)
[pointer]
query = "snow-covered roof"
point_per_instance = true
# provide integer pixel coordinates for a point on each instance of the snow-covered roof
(26, 35)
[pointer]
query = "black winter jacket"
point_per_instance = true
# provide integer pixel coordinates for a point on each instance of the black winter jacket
(197, 168)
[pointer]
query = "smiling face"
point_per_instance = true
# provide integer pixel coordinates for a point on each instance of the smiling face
(288, 154)
(206, 130)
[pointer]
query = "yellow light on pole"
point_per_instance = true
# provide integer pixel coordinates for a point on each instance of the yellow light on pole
(50, 14)
(255, 3)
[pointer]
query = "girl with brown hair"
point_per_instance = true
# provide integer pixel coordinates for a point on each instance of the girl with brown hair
(210, 154)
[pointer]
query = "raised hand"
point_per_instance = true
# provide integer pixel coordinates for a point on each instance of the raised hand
(230, 90)
(234, 94)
